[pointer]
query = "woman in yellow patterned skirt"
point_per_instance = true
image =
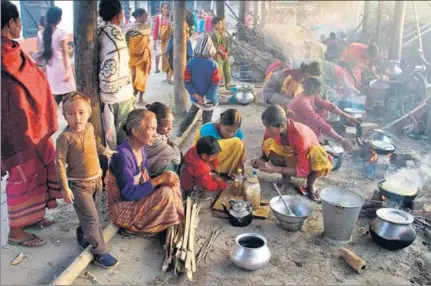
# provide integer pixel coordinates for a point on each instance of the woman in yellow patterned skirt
(291, 149)
(161, 34)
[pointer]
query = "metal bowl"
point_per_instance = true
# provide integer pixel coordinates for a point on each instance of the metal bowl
(299, 206)
(379, 84)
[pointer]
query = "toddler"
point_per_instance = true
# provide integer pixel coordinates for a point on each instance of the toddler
(81, 180)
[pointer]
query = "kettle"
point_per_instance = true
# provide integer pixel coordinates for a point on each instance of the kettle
(240, 213)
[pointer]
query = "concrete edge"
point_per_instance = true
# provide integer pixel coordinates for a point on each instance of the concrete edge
(85, 257)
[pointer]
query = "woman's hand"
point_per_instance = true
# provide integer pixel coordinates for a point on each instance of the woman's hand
(353, 120)
(68, 196)
(199, 98)
(108, 153)
(347, 145)
(169, 178)
(266, 167)
(67, 75)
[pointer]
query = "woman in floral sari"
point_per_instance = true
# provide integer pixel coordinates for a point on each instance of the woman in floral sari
(136, 203)
(138, 41)
(291, 149)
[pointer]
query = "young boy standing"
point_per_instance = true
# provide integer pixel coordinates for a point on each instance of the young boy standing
(81, 180)
(199, 164)
(201, 78)
(221, 44)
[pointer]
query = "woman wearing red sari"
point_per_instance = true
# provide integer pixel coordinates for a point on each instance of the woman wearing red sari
(29, 119)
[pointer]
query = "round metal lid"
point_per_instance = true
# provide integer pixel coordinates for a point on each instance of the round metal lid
(382, 145)
(395, 216)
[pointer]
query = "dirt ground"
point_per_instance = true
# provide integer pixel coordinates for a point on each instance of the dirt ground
(297, 257)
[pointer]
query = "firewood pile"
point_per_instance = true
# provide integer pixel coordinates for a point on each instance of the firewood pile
(181, 253)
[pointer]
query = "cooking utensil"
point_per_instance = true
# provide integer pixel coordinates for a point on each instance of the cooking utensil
(240, 213)
(244, 97)
(337, 152)
(381, 147)
(402, 199)
(381, 135)
(300, 206)
(289, 212)
(392, 229)
(379, 84)
(251, 251)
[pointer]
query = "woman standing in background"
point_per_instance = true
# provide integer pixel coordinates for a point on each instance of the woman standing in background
(138, 41)
(59, 67)
(161, 34)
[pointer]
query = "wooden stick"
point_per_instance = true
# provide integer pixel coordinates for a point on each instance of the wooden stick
(79, 264)
(353, 260)
(186, 230)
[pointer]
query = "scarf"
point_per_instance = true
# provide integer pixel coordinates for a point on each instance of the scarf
(28, 108)
(205, 47)
(160, 153)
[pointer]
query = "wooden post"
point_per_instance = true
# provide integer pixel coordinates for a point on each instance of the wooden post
(418, 27)
(379, 23)
(180, 43)
(398, 29)
(241, 16)
(366, 23)
(86, 58)
(263, 11)
(220, 9)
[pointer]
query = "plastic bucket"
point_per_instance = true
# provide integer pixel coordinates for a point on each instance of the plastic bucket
(340, 212)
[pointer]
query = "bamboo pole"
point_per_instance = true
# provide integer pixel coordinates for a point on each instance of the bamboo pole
(79, 264)
(366, 22)
(398, 29)
(220, 9)
(418, 27)
(379, 23)
(180, 43)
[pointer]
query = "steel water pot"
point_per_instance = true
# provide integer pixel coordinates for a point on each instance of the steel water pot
(251, 251)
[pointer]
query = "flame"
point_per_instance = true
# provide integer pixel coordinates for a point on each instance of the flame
(374, 157)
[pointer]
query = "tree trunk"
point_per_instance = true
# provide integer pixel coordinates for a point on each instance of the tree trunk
(220, 9)
(180, 44)
(242, 13)
(366, 24)
(398, 29)
(379, 23)
(87, 58)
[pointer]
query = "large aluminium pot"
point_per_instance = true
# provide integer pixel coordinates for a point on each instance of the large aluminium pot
(392, 229)
(250, 251)
(396, 196)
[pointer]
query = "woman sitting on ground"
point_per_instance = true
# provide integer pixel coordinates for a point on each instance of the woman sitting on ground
(163, 155)
(311, 110)
(284, 85)
(231, 140)
(292, 150)
(135, 202)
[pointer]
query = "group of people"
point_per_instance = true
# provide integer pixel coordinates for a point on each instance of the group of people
(147, 176)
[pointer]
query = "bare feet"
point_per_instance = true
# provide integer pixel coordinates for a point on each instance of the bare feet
(313, 194)
(284, 182)
(41, 224)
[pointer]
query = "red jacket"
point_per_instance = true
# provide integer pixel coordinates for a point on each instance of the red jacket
(196, 169)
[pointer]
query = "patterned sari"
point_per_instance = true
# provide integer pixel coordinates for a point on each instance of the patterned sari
(150, 215)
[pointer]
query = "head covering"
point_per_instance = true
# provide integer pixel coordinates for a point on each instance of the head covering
(205, 47)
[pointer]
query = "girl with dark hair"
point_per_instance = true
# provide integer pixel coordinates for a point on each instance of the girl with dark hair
(291, 149)
(161, 33)
(229, 134)
(55, 52)
(163, 155)
(284, 85)
(28, 120)
(39, 38)
(312, 111)
(115, 81)
(138, 41)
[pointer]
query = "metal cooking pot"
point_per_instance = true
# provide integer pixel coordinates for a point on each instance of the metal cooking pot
(392, 229)
(404, 200)
(381, 147)
(337, 152)
(244, 97)
(379, 84)
(250, 252)
(391, 69)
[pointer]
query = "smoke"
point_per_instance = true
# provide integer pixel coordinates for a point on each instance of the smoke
(414, 177)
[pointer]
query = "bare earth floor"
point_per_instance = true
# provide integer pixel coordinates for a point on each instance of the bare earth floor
(297, 257)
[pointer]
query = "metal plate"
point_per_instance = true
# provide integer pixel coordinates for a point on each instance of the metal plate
(382, 145)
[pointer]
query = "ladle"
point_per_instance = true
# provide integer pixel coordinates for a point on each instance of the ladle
(281, 197)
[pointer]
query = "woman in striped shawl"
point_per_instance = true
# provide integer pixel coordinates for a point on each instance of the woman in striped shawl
(138, 41)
